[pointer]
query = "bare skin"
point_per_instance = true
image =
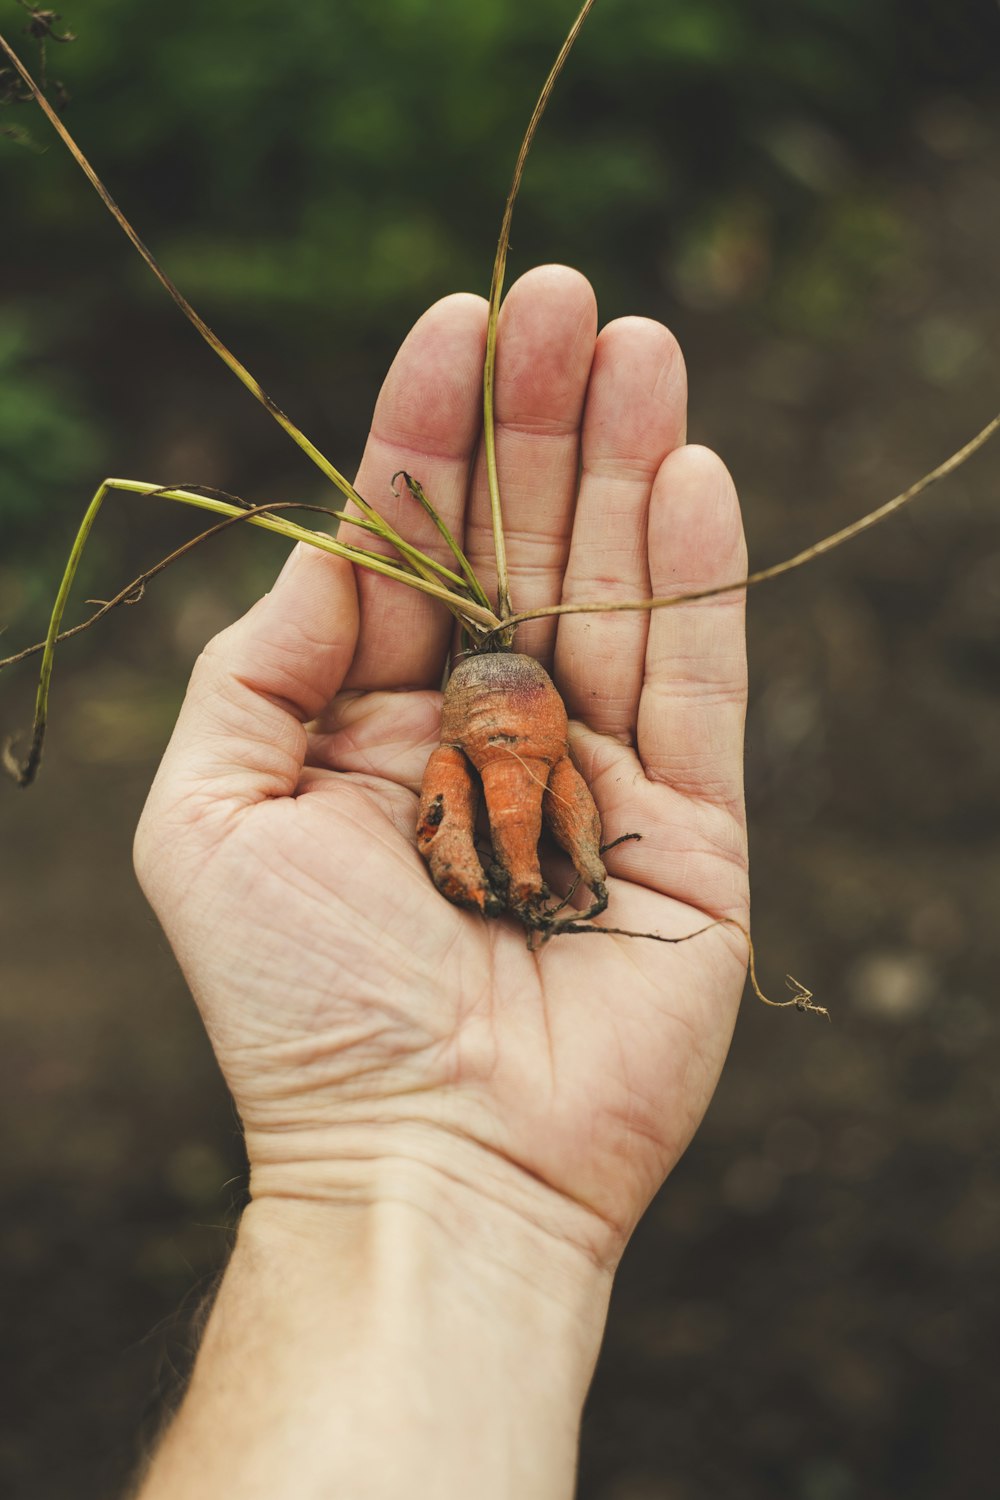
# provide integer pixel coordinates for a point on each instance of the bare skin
(501, 1117)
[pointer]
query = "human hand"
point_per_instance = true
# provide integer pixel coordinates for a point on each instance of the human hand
(372, 1034)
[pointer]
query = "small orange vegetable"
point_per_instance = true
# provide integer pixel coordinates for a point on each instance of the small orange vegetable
(504, 733)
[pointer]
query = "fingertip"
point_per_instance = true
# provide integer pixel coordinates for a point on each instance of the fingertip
(656, 360)
(556, 278)
(694, 467)
(637, 404)
(642, 334)
(545, 342)
(696, 534)
(548, 291)
(455, 307)
(702, 461)
(429, 401)
(453, 326)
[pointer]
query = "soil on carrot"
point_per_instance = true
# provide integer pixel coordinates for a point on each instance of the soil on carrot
(816, 1282)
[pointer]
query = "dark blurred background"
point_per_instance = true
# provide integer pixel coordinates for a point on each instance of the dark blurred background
(806, 190)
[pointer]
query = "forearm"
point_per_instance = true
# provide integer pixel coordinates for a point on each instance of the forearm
(418, 1346)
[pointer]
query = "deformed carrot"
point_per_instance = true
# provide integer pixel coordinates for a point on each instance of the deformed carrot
(504, 729)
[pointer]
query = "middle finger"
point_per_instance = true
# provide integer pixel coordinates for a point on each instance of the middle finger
(545, 345)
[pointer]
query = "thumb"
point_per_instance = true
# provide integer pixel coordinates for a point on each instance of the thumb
(240, 737)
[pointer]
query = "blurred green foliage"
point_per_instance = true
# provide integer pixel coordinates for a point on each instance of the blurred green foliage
(313, 175)
(43, 432)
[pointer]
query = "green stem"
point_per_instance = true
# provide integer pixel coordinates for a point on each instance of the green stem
(416, 489)
(371, 560)
(385, 530)
(765, 575)
(472, 615)
(413, 555)
(504, 607)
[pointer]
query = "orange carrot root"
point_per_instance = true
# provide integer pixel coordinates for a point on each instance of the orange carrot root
(446, 823)
(503, 719)
(572, 816)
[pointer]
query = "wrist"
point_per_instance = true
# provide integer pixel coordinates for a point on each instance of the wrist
(482, 1201)
(461, 1292)
(438, 1228)
(375, 1349)
(400, 1340)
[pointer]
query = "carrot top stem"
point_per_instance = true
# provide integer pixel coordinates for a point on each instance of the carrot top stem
(787, 565)
(420, 566)
(417, 491)
(473, 616)
(504, 607)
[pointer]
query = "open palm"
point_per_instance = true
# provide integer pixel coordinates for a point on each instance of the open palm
(356, 1015)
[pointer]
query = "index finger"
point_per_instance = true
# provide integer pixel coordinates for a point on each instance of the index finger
(427, 421)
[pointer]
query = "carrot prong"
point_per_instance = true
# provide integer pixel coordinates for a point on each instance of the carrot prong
(513, 790)
(572, 818)
(446, 822)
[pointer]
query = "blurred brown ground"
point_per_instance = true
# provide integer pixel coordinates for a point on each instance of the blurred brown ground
(809, 1308)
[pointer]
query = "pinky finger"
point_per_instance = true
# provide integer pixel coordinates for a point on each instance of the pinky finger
(693, 703)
